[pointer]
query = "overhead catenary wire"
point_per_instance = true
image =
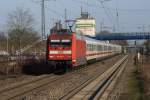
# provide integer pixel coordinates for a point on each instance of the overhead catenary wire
(113, 14)
(105, 10)
(96, 5)
(74, 8)
(85, 3)
(113, 9)
(55, 12)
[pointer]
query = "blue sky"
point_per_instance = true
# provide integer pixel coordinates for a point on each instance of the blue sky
(134, 15)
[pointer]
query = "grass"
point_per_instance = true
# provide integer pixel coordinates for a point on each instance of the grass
(135, 85)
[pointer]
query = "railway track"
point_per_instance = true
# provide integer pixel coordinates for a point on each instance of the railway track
(64, 86)
(55, 86)
(97, 87)
(25, 87)
(22, 90)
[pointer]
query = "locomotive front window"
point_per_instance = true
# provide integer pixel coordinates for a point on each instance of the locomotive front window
(55, 42)
(66, 42)
(60, 42)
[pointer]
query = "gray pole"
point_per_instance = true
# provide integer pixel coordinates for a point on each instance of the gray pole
(117, 14)
(101, 27)
(43, 18)
(65, 18)
(7, 43)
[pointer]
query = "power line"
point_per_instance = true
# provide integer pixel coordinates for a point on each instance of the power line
(35, 1)
(113, 9)
(115, 21)
(55, 12)
(105, 10)
(85, 3)
(109, 11)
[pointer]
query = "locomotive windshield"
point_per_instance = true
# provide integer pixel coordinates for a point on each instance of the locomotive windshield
(60, 42)
(65, 42)
(54, 42)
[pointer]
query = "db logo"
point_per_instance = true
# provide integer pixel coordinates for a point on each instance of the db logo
(60, 52)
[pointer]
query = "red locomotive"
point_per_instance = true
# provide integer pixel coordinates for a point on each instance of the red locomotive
(68, 50)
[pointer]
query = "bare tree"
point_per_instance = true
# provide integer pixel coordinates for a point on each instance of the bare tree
(21, 28)
(2, 41)
(20, 19)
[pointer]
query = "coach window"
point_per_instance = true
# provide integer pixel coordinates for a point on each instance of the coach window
(109, 48)
(115, 48)
(95, 48)
(88, 47)
(91, 47)
(100, 47)
(105, 48)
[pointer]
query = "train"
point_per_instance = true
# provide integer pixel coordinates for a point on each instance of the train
(68, 50)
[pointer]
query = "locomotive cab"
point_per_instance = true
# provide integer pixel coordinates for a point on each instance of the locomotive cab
(59, 51)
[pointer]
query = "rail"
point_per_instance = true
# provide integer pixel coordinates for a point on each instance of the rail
(93, 88)
(18, 90)
(26, 89)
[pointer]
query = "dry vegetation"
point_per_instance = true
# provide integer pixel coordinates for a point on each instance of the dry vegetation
(145, 75)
